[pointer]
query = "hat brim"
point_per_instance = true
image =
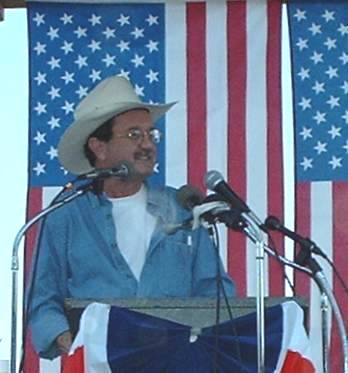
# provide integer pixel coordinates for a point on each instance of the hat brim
(71, 145)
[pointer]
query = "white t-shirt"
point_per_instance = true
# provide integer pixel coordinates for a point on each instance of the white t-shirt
(134, 228)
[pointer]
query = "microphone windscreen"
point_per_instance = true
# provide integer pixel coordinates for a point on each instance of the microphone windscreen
(212, 178)
(189, 197)
(272, 223)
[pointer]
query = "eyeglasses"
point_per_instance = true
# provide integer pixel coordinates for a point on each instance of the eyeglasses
(137, 135)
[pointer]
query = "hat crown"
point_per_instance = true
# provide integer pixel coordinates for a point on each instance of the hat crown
(108, 93)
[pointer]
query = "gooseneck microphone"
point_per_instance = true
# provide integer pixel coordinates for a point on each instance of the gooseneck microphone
(215, 182)
(124, 170)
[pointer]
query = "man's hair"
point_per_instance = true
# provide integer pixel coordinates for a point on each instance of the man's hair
(102, 133)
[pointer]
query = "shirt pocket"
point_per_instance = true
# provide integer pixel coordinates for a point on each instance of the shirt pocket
(175, 270)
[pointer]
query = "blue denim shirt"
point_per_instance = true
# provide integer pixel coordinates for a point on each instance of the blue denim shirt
(79, 258)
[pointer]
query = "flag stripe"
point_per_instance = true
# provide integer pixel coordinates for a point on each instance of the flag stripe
(237, 56)
(196, 93)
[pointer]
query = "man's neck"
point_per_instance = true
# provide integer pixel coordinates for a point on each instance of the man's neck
(115, 188)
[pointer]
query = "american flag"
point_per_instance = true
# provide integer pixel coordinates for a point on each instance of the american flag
(319, 39)
(219, 59)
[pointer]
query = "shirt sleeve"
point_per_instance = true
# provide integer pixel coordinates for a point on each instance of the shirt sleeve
(205, 268)
(46, 298)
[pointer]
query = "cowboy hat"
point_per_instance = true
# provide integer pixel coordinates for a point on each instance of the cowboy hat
(111, 97)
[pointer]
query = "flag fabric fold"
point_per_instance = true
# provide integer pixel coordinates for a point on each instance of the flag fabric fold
(113, 339)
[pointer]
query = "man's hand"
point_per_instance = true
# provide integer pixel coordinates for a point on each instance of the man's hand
(64, 341)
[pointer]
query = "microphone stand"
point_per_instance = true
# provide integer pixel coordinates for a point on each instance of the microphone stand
(15, 265)
(253, 229)
(305, 258)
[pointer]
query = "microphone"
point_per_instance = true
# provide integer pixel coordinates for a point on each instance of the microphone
(188, 197)
(273, 223)
(123, 171)
(215, 182)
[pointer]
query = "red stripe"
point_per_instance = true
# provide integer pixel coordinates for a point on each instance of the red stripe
(303, 227)
(196, 93)
(275, 192)
(340, 259)
(295, 362)
(237, 62)
(74, 363)
(34, 205)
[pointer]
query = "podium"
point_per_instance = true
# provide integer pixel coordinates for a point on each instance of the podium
(194, 312)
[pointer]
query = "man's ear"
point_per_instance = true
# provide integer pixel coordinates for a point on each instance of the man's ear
(98, 147)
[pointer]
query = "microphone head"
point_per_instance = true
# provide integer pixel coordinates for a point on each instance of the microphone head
(189, 197)
(212, 178)
(124, 170)
(272, 223)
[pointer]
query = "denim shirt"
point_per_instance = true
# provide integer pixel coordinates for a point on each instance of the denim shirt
(78, 257)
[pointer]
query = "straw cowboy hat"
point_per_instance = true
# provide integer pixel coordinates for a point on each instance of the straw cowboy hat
(112, 96)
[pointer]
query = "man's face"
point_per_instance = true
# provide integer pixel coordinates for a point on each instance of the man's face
(141, 153)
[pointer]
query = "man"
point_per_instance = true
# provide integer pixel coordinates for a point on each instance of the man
(114, 244)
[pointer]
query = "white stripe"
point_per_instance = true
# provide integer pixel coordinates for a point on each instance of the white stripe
(176, 118)
(217, 104)
(322, 235)
(49, 366)
(256, 124)
(48, 194)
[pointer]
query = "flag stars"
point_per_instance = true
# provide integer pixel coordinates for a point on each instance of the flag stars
(109, 60)
(123, 45)
(40, 108)
(306, 133)
(343, 29)
(39, 19)
(40, 138)
(156, 168)
(330, 43)
(123, 20)
(67, 47)
(124, 73)
(40, 78)
(52, 153)
(315, 29)
(54, 123)
(345, 116)
(307, 163)
(345, 146)
(334, 132)
(300, 15)
(302, 44)
(344, 86)
(152, 76)
(40, 48)
(94, 45)
(152, 20)
(66, 19)
(94, 20)
(81, 61)
(82, 91)
(139, 90)
(319, 117)
(109, 33)
(138, 60)
(54, 63)
(54, 92)
(316, 57)
(68, 107)
(321, 147)
(333, 102)
(304, 73)
(328, 16)
(68, 77)
(344, 58)
(95, 75)
(53, 33)
(39, 168)
(138, 33)
(335, 162)
(80, 32)
(331, 72)
(305, 103)
(318, 87)
(152, 46)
